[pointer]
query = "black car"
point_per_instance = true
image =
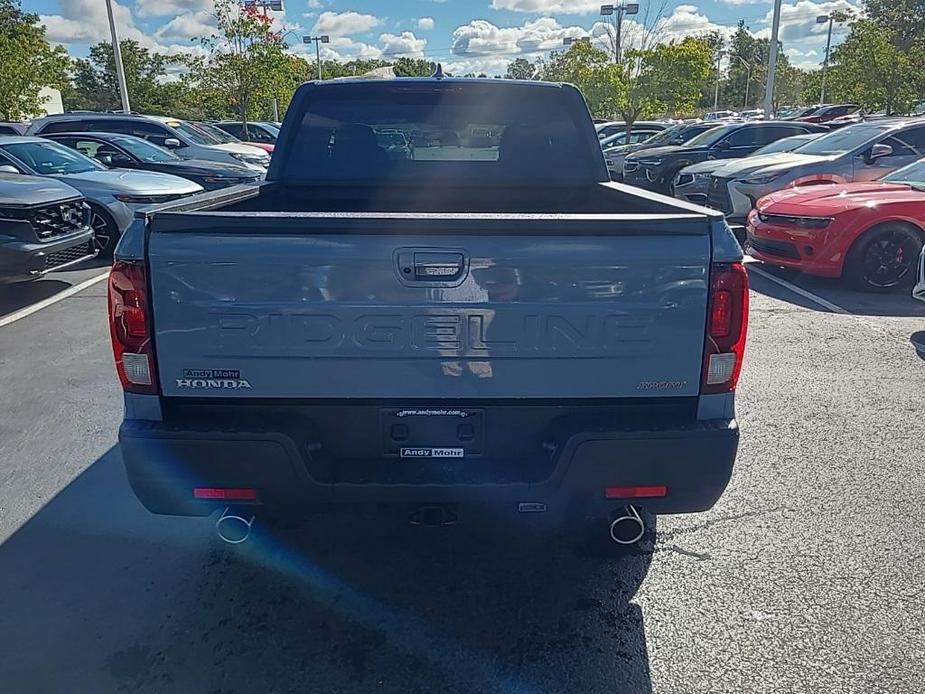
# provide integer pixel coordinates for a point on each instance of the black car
(130, 152)
(675, 135)
(655, 168)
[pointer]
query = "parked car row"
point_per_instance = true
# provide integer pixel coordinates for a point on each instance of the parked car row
(845, 202)
(70, 184)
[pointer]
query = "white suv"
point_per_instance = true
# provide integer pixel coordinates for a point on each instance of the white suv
(183, 137)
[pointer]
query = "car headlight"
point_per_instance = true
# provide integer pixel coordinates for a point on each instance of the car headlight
(145, 199)
(683, 179)
(761, 179)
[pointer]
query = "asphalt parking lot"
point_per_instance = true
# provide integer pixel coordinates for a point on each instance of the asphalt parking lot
(806, 576)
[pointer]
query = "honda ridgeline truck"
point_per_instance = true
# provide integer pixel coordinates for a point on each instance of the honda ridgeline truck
(493, 322)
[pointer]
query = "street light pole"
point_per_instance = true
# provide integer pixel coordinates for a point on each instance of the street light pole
(822, 19)
(748, 77)
(719, 57)
(117, 57)
(772, 62)
(618, 11)
(317, 40)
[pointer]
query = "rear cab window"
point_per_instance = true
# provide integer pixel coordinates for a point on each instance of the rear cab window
(412, 132)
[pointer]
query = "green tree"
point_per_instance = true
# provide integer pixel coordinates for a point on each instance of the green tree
(520, 69)
(591, 70)
(246, 65)
(95, 87)
(867, 68)
(905, 20)
(414, 67)
(27, 63)
(747, 74)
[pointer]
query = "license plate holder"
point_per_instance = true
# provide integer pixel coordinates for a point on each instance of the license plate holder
(432, 433)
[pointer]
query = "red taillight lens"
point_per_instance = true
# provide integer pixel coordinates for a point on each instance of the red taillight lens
(726, 328)
(130, 328)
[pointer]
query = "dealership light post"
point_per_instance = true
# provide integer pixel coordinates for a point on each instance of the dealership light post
(822, 19)
(117, 56)
(317, 41)
(748, 76)
(772, 62)
(617, 12)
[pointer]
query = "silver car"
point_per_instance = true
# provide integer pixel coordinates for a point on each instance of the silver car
(692, 183)
(113, 194)
(862, 152)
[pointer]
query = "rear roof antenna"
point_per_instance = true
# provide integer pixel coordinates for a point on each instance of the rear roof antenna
(438, 72)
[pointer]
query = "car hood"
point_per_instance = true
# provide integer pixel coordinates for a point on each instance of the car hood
(768, 163)
(17, 190)
(204, 167)
(705, 167)
(236, 148)
(131, 182)
(830, 199)
(667, 151)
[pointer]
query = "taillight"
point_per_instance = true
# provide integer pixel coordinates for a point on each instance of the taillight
(727, 323)
(130, 328)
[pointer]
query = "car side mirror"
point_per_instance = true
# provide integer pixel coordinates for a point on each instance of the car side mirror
(7, 168)
(172, 142)
(676, 141)
(878, 151)
(722, 145)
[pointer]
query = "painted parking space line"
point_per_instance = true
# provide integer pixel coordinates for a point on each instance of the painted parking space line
(806, 294)
(50, 301)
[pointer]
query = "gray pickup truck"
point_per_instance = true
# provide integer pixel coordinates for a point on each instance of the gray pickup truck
(470, 325)
(44, 226)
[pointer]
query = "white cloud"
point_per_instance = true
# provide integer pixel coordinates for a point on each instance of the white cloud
(798, 21)
(314, 4)
(746, 2)
(404, 45)
(188, 26)
(344, 23)
(426, 23)
(480, 37)
(548, 6)
(163, 8)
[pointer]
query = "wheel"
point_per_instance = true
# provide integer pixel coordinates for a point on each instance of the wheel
(885, 258)
(105, 231)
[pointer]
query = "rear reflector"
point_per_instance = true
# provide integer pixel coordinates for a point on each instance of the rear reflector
(635, 492)
(224, 494)
(720, 368)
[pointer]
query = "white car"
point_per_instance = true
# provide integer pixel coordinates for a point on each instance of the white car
(184, 138)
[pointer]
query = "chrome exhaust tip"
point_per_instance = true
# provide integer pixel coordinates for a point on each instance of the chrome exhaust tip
(627, 527)
(232, 528)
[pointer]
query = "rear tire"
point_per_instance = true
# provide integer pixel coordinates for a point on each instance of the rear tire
(884, 258)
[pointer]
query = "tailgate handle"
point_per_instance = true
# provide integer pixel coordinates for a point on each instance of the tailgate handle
(432, 266)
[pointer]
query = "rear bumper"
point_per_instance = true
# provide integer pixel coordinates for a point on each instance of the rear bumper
(164, 465)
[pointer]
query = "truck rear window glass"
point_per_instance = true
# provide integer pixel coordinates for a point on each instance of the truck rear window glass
(417, 131)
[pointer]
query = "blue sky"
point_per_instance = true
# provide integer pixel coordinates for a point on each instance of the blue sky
(465, 35)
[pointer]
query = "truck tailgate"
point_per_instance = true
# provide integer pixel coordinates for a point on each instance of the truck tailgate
(428, 306)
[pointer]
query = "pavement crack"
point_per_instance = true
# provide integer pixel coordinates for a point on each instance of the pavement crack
(670, 534)
(699, 556)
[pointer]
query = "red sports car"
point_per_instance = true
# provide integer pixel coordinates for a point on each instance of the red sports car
(869, 233)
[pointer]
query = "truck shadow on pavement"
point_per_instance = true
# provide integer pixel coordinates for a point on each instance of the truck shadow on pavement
(96, 591)
(897, 304)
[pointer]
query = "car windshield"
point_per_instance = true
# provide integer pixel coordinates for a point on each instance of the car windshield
(667, 135)
(913, 175)
(51, 158)
(144, 150)
(217, 133)
(843, 140)
(191, 132)
(712, 136)
(787, 144)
